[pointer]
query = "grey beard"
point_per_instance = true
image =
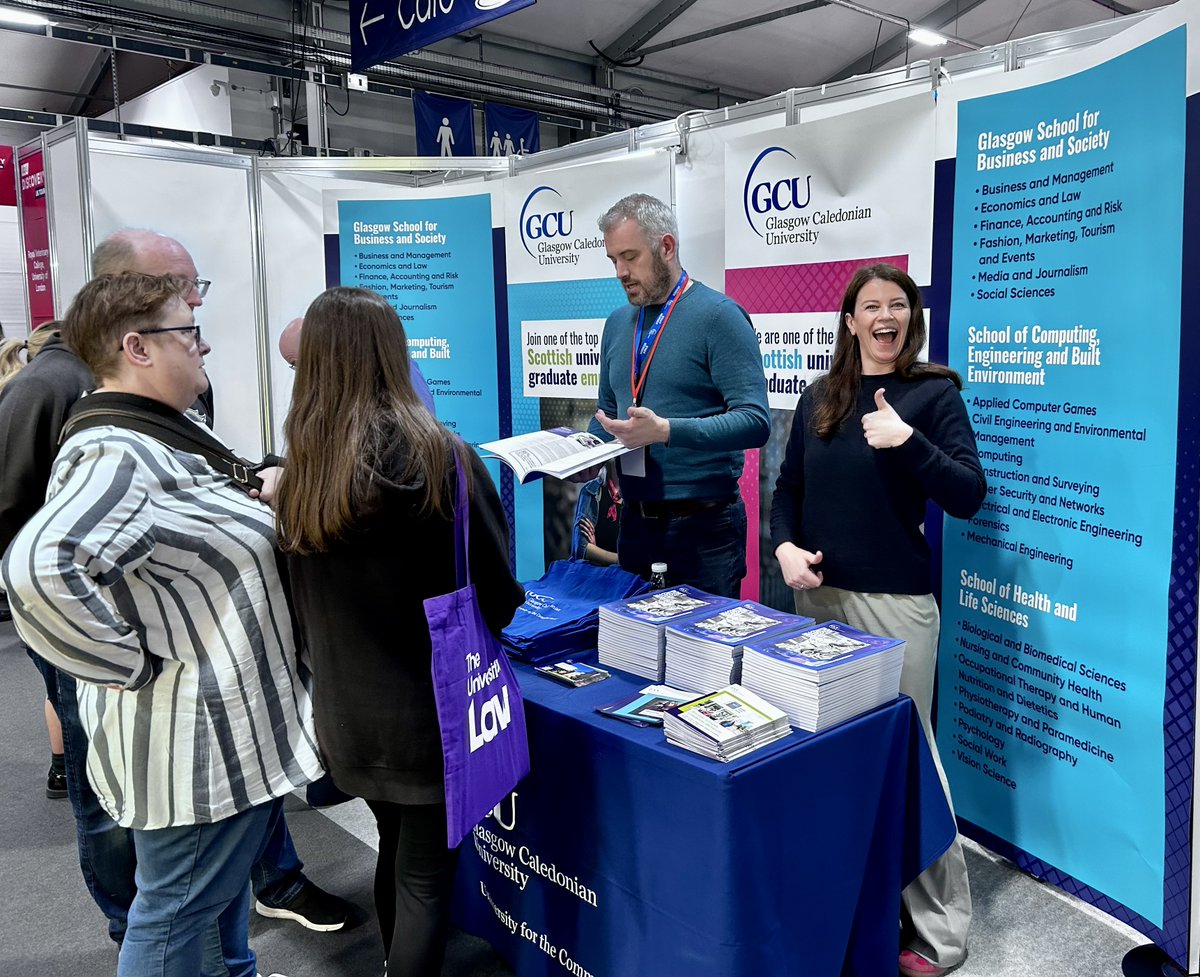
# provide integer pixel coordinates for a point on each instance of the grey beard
(660, 287)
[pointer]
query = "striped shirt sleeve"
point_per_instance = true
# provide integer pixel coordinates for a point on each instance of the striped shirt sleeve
(97, 527)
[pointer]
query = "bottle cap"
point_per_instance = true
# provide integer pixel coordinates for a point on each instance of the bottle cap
(658, 568)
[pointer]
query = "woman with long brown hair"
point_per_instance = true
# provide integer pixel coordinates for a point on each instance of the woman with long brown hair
(364, 510)
(871, 443)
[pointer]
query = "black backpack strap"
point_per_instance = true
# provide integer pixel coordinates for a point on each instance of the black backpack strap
(152, 419)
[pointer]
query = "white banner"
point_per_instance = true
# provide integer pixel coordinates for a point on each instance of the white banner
(551, 215)
(808, 205)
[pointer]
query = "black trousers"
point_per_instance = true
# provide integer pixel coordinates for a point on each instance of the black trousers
(414, 880)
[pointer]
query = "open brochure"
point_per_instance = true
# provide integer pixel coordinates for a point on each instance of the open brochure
(558, 452)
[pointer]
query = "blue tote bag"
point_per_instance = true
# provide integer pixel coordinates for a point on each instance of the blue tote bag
(479, 705)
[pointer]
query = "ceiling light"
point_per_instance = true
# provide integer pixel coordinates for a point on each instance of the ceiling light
(8, 16)
(921, 35)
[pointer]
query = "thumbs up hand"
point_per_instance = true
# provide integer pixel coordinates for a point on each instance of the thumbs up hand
(883, 427)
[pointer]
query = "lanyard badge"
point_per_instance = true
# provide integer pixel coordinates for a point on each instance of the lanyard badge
(645, 346)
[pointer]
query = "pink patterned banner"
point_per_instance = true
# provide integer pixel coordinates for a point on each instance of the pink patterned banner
(815, 287)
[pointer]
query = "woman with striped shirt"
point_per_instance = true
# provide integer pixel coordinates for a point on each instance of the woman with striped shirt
(152, 579)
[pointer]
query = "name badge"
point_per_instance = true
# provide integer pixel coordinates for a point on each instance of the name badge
(634, 463)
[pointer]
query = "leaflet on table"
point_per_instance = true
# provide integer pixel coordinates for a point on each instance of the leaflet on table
(826, 646)
(645, 708)
(573, 673)
(558, 452)
(728, 713)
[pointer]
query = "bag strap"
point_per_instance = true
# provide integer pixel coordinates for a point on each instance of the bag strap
(462, 526)
(180, 434)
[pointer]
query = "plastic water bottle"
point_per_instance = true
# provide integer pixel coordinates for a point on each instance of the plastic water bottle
(658, 576)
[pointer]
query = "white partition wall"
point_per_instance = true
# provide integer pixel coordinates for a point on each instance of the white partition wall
(202, 199)
(98, 185)
(64, 153)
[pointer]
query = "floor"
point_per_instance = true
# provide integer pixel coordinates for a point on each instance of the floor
(1022, 928)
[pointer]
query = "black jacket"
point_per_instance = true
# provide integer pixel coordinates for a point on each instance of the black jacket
(361, 616)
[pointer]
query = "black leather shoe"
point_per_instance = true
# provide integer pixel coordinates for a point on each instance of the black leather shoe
(56, 784)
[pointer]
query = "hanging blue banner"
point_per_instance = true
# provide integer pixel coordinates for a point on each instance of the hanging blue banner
(445, 126)
(508, 131)
(1068, 232)
(382, 30)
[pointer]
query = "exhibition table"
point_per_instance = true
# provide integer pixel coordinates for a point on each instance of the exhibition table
(619, 854)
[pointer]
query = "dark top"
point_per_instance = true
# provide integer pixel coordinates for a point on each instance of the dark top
(863, 507)
(361, 614)
(33, 408)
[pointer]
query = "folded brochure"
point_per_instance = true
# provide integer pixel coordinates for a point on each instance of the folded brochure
(573, 673)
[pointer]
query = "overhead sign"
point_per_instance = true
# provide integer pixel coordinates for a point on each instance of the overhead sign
(381, 30)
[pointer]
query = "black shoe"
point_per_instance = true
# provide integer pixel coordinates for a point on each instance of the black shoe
(56, 784)
(314, 909)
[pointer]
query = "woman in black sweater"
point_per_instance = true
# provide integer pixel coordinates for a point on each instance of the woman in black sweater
(365, 514)
(871, 442)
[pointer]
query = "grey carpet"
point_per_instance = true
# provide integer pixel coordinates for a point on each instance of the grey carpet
(52, 928)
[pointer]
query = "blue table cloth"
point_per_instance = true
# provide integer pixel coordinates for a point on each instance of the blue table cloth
(620, 854)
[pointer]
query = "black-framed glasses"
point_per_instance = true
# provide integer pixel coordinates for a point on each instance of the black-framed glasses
(146, 332)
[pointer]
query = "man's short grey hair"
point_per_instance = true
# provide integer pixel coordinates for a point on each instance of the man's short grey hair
(649, 213)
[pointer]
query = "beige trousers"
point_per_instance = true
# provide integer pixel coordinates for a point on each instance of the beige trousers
(936, 906)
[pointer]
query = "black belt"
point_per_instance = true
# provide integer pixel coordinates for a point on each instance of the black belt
(675, 508)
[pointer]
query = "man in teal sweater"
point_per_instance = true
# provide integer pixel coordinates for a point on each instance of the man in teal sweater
(681, 383)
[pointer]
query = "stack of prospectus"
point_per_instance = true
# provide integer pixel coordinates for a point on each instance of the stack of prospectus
(631, 631)
(824, 674)
(725, 724)
(705, 652)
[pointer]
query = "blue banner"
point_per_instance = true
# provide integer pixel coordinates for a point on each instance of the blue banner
(445, 126)
(509, 131)
(1065, 325)
(382, 30)
(432, 259)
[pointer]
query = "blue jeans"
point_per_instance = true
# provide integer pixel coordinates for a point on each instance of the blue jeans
(276, 877)
(189, 878)
(706, 549)
(106, 852)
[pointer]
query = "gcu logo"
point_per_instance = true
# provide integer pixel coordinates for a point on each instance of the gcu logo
(768, 195)
(555, 223)
(494, 717)
(499, 818)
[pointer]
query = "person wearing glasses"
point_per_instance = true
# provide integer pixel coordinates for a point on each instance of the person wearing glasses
(33, 409)
(150, 253)
(151, 578)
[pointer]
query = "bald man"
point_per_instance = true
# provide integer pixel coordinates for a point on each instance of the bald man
(151, 253)
(33, 408)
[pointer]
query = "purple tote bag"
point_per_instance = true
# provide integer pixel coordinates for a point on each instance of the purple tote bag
(480, 711)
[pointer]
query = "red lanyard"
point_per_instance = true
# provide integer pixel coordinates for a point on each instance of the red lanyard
(643, 349)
